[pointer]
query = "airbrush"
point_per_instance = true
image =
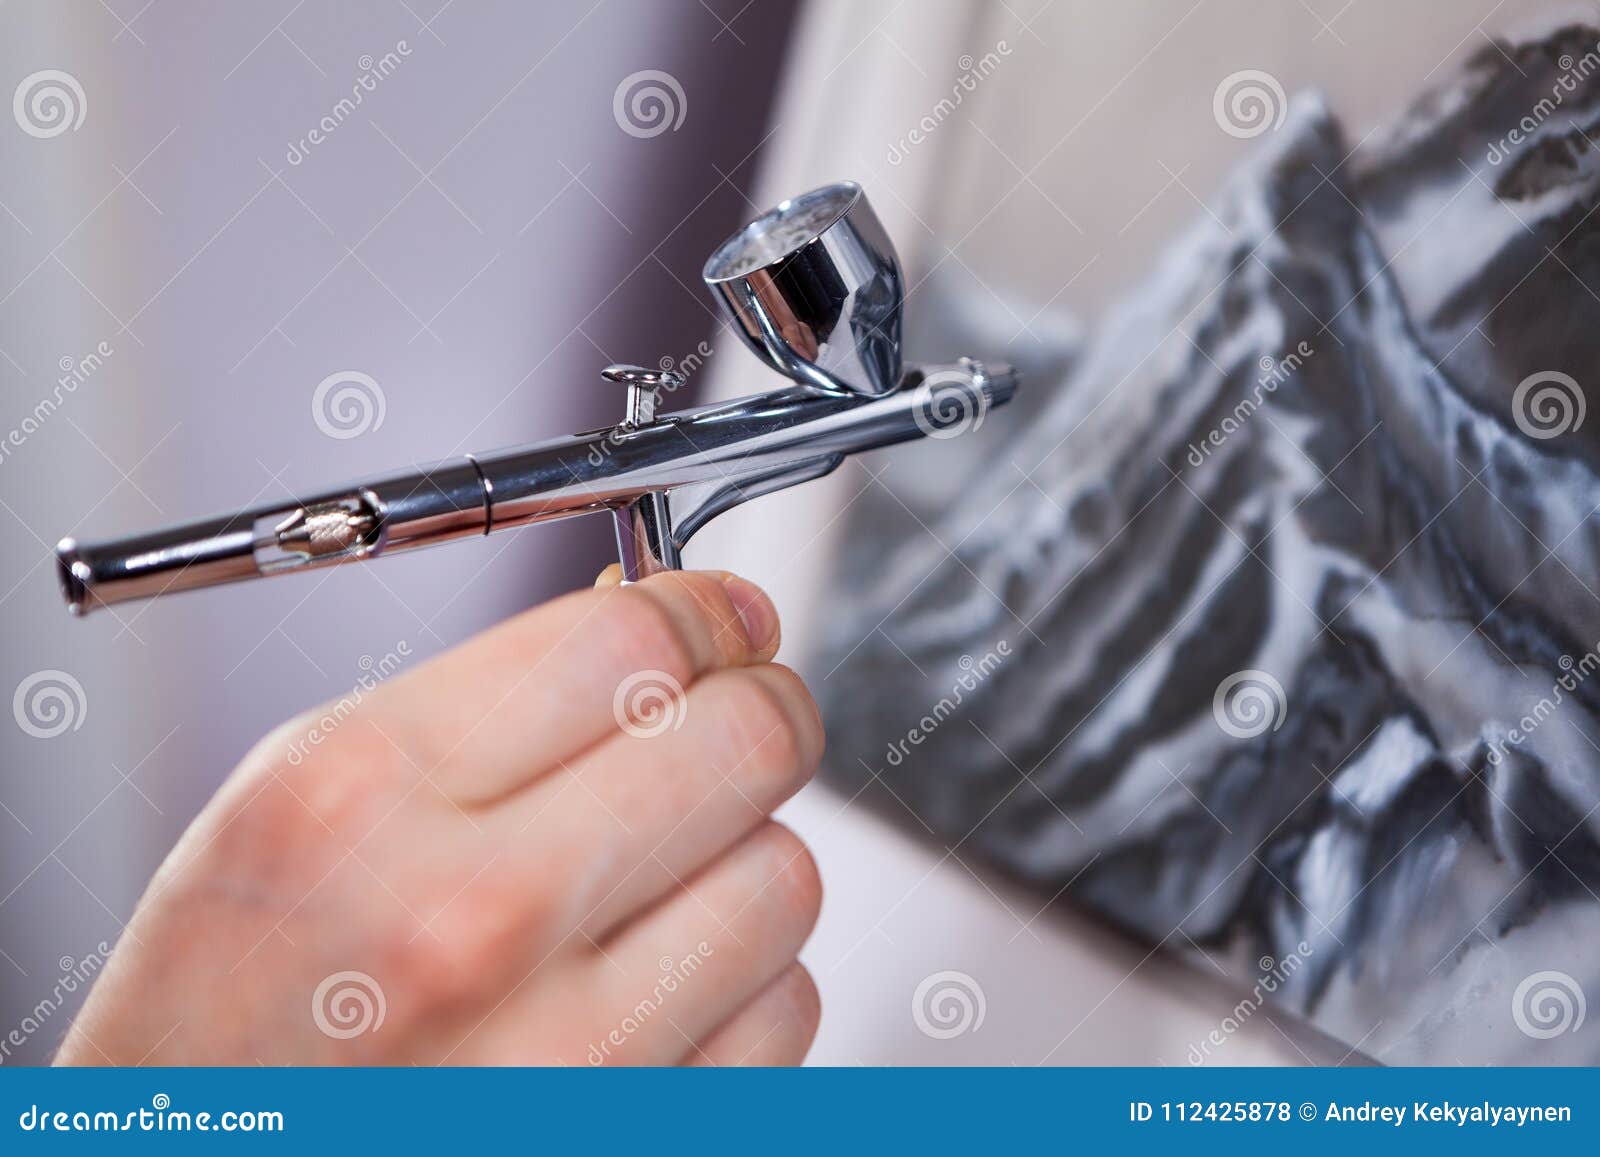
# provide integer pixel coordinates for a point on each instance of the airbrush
(813, 287)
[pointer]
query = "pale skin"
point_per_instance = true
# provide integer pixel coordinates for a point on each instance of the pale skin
(485, 842)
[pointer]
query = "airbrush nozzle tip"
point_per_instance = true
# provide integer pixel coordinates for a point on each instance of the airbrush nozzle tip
(73, 574)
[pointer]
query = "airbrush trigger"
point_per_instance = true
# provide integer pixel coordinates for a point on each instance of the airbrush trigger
(644, 389)
(644, 526)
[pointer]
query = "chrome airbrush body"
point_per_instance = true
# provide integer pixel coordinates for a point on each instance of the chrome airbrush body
(813, 287)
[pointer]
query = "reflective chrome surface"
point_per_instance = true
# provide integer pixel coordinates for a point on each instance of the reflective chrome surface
(814, 288)
(816, 283)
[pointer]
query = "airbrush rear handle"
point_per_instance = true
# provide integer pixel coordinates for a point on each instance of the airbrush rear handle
(666, 476)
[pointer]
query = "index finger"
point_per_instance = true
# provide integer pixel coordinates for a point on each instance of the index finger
(495, 713)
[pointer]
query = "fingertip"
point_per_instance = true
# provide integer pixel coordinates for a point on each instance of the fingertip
(609, 578)
(807, 997)
(758, 614)
(726, 621)
(801, 710)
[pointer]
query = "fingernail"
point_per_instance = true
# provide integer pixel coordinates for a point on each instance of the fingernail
(756, 612)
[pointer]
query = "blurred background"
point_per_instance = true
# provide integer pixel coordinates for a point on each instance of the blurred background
(467, 245)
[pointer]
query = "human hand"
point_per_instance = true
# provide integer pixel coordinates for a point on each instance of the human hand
(549, 845)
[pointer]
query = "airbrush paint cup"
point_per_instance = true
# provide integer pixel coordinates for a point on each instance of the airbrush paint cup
(814, 288)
